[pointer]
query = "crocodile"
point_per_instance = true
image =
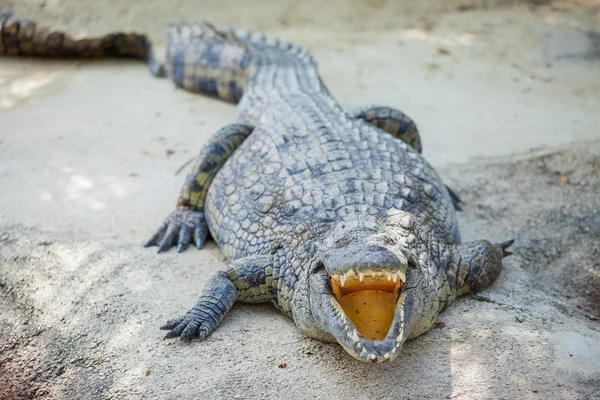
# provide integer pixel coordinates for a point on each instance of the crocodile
(333, 216)
(22, 37)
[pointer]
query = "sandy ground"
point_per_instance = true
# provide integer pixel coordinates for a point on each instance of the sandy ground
(506, 96)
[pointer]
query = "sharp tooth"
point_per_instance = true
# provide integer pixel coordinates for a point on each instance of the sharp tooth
(386, 355)
(343, 280)
(394, 350)
(361, 276)
(355, 336)
(380, 273)
(373, 356)
(401, 301)
(336, 277)
(395, 277)
(335, 303)
(389, 275)
(373, 273)
(402, 276)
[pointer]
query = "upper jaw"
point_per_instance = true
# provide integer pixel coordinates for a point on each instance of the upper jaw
(391, 275)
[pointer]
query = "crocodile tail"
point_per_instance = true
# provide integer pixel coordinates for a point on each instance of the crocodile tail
(203, 60)
(221, 63)
(20, 37)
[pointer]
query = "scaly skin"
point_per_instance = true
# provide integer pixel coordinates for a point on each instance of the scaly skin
(299, 194)
(313, 192)
(20, 37)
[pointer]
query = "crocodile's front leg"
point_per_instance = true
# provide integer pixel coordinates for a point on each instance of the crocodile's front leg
(248, 280)
(474, 265)
(188, 220)
(393, 121)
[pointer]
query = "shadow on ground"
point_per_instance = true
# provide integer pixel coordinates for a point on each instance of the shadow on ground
(80, 319)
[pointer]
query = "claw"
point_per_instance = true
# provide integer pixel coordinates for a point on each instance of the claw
(157, 236)
(161, 249)
(200, 234)
(454, 195)
(456, 200)
(170, 335)
(203, 333)
(190, 331)
(184, 238)
(170, 324)
(178, 229)
(165, 245)
(505, 246)
(173, 333)
(169, 238)
(186, 329)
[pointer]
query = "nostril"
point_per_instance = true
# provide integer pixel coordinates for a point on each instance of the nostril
(341, 243)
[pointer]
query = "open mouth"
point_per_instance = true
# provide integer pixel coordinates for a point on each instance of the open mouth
(369, 299)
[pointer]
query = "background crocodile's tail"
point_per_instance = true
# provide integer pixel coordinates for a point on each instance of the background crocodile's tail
(24, 38)
(221, 63)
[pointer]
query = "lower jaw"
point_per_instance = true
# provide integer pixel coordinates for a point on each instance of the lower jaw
(368, 352)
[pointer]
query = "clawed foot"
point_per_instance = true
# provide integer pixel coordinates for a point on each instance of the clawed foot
(181, 227)
(218, 297)
(192, 326)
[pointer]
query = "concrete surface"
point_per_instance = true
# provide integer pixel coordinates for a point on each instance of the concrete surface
(88, 154)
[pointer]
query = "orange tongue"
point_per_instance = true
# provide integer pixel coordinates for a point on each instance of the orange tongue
(371, 311)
